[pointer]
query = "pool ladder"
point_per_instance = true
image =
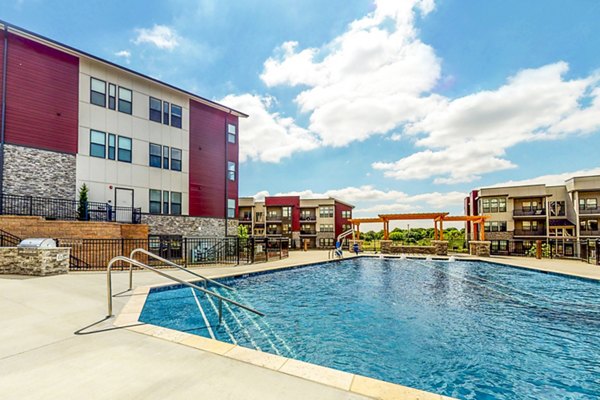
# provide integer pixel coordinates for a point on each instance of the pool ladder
(131, 261)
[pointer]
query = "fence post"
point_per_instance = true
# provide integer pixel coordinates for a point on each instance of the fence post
(184, 245)
(267, 249)
(30, 205)
(280, 249)
(237, 246)
(252, 244)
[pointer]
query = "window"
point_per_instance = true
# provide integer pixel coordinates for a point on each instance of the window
(111, 146)
(124, 149)
(327, 242)
(326, 211)
(154, 201)
(155, 151)
(97, 144)
(485, 205)
(494, 226)
(501, 204)
(231, 208)
(112, 96)
(165, 157)
(155, 109)
(125, 99)
(557, 208)
(287, 228)
(530, 225)
(259, 216)
(273, 215)
(286, 212)
(175, 116)
(306, 215)
(231, 133)
(326, 228)
(346, 227)
(176, 203)
(272, 229)
(166, 113)
(346, 214)
(175, 159)
(231, 170)
(493, 205)
(165, 196)
(98, 92)
(591, 204)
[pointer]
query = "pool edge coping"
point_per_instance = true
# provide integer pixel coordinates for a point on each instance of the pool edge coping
(128, 318)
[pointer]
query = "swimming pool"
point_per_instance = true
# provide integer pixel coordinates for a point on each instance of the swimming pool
(470, 330)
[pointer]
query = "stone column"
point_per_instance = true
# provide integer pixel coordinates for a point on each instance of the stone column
(479, 248)
(441, 247)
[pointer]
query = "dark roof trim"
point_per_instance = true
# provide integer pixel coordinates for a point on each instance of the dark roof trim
(222, 107)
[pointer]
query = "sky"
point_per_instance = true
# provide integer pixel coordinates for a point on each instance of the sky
(390, 105)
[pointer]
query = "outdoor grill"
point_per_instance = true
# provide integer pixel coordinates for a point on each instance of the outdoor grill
(38, 243)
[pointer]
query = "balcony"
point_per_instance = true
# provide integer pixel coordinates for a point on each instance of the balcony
(589, 233)
(523, 232)
(530, 212)
(308, 218)
(245, 220)
(273, 232)
(588, 211)
(274, 218)
(305, 232)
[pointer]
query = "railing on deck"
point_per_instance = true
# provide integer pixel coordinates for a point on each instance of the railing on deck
(94, 254)
(67, 210)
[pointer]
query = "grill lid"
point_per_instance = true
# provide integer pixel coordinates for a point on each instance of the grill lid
(37, 243)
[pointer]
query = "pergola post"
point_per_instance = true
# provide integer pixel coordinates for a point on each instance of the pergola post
(435, 230)
(441, 229)
(386, 229)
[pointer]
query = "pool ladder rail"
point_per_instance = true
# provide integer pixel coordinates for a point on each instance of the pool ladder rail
(131, 261)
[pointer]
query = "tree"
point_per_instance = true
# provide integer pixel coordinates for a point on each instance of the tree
(243, 232)
(82, 206)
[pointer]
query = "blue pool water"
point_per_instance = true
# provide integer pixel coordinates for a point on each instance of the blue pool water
(471, 330)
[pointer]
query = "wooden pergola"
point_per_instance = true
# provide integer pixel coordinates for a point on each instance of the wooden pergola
(436, 217)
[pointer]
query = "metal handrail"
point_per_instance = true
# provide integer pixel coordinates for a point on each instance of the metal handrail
(172, 264)
(163, 274)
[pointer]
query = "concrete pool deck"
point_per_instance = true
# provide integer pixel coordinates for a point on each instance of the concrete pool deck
(41, 357)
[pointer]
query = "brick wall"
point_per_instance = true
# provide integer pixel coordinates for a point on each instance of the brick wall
(29, 227)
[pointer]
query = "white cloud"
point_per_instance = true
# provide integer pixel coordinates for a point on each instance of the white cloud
(160, 36)
(267, 136)
(550, 179)
(469, 136)
(125, 54)
(366, 81)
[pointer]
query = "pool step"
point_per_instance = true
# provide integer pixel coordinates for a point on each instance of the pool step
(239, 326)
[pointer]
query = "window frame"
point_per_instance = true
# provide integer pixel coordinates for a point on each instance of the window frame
(92, 92)
(152, 116)
(165, 112)
(155, 160)
(122, 102)
(155, 202)
(176, 205)
(97, 144)
(231, 170)
(176, 118)
(111, 149)
(125, 151)
(176, 156)
(166, 197)
(231, 134)
(231, 209)
(165, 157)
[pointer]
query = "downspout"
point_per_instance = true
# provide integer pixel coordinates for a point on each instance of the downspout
(226, 177)
(3, 113)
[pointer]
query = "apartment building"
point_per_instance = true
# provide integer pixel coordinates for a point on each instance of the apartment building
(317, 222)
(566, 217)
(70, 118)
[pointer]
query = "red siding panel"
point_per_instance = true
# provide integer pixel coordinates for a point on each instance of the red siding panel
(339, 220)
(1, 70)
(207, 161)
(42, 96)
(287, 201)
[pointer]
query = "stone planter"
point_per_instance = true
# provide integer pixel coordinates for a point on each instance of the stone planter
(479, 248)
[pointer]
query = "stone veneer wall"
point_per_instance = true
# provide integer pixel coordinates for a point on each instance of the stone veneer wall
(36, 262)
(189, 226)
(479, 248)
(499, 235)
(439, 248)
(41, 173)
(351, 244)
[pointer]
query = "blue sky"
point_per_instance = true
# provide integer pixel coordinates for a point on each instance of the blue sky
(389, 105)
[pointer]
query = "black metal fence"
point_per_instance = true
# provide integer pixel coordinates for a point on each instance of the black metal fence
(8, 240)
(94, 254)
(67, 210)
(583, 249)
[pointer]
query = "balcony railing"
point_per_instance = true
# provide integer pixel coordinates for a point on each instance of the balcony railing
(273, 217)
(273, 232)
(589, 233)
(589, 211)
(527, 232)
(68, 210)
(535, 212)
(308, 218)
(308, 232)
